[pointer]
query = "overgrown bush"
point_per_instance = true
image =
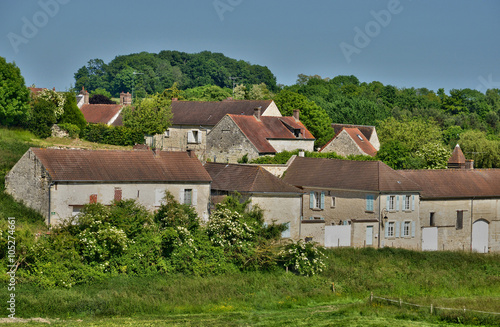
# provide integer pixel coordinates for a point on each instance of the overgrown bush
(72, 129)
(305, 258)
(116, 135)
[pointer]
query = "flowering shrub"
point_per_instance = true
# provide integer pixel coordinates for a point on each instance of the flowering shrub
(227, 229)
(304, 258)
(56, 98)
(102, 241)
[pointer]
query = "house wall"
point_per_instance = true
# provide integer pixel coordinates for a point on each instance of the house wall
(177, 140)
(272, 110)
(445, 219)
(292, 145)
(374, 139)
(343, 145)
(280, 209)
(66, 196)
(226, 143)
(351, 208)
(28, 182)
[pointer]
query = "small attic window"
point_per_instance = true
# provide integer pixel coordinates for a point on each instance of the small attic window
(296, 132)
(359, 137)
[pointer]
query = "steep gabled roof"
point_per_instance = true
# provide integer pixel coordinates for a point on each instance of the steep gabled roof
(457, 157)
(121, 166)
(209, 113)
(359, 138)
(346, 174)
(246, 179)
(456, 183)
(100, 113)
(259, 131)
(366, 130)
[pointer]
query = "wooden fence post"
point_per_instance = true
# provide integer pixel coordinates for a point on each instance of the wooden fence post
(431, 308)
(371, 297)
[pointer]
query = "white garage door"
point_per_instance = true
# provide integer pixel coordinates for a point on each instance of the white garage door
(480, 236)
(429, 239)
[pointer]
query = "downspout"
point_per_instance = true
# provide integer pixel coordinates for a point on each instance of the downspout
(471, 220)
(50, 186)
(379, 217)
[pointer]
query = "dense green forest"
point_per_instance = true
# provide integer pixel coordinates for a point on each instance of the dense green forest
(150, 73)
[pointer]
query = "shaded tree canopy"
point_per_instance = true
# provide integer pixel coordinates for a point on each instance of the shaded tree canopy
(14, 95)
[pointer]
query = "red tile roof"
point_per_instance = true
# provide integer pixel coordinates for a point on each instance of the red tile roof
(359, 138)
(246, 179)
(457, 157)
(456, 183)
(259, 131)
(347, 174)
(121, 166)
(209, 113)
(366, 130)
(100, 113)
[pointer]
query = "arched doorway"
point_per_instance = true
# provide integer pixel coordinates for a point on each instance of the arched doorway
(480, 236)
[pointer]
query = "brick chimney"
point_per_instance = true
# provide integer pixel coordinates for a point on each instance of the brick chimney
(125, 99)
(296, 114)
(85, 95)
(257, 112)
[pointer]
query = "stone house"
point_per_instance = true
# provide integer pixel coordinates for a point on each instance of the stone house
(280, 201)
(350, 141)
(109, 114)
(193, 120)
(369, 132)
(356, 203)
(238, 135)
(459, 208)
(58, 182)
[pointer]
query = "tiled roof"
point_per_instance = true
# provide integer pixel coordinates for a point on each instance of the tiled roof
(209, 113)
(366, 130)
(258, 131)
(457, 157)
(347, 174)
(359, 138)
(456, 183)
(246, 178)
(121, 166)
(100, 113)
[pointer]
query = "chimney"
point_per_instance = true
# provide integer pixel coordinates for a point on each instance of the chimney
(85, 95)
(469, 164)
(301, 153)
(175, 99)
(125, 99)
(229, 98)
(296, 114)
(190, 153)
(257, 112)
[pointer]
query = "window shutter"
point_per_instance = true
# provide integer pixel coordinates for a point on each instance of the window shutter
(181, 196)
(199, 137)
(159, 195)
(311, 218)
(190, 137)
(413, 203)
(388, 197)
(397, 202)
(194, 200)
(403, 229)
(412, 229)
(322, 200)
(311, 200)
(386, 230)
(396, 228)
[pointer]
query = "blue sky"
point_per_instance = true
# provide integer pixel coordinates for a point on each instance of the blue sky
(435, 44)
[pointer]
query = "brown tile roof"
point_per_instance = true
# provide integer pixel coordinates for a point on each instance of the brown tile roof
(121, 166)
(347, 174)
(359, 138)
(209, 113)
(259, 131)
(100, 113)
(246, 179)
(457, 157)
(366, 130)
(456, 183)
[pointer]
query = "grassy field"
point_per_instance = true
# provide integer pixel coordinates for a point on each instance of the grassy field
(444, 279)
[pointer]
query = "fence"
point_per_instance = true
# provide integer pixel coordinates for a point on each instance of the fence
(431, 307)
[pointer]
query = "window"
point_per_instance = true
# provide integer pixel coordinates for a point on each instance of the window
(392, 202)
(460, 219)
(332, 204)
(194, 136)
(389, 230)
(188, 196)
(76, 210)
(407, 202)
(286, 232)
(166, 133)
(317, 200)
(432, 221)
(369, 202)
(93, 198)
(407, 229)
(359, 137)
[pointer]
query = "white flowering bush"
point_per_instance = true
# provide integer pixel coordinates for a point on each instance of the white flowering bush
(227, 229)
(56, 98)
(100, 242)
(306, 258)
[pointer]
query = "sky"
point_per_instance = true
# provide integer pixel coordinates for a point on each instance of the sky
(450, 44)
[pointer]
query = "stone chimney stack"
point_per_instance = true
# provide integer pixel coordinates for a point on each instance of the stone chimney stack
(85, 95)
(257, 112)
(296, 114)
(469, 164)
(125, 99)
(175, 99)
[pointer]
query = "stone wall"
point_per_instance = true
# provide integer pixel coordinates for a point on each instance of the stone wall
(226, 143)
(343, 145)
(28, 182)
(292, 145)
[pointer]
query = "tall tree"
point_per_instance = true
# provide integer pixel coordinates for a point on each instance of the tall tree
(152, 115)
(14, 95)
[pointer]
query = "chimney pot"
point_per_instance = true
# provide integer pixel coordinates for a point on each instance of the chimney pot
(257, 112)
